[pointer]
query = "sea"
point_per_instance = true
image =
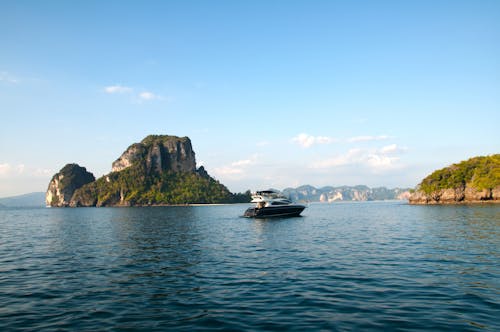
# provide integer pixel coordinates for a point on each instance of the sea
(350, 266)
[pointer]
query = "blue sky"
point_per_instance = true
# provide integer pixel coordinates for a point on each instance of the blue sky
(271, 93)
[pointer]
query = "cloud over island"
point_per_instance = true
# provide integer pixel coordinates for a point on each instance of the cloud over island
(376, 160)
(306, 141)
(117, 89)
(237, 168)
(121, 89)
(368, 138)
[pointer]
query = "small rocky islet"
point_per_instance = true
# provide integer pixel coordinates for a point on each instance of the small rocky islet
(476, 180)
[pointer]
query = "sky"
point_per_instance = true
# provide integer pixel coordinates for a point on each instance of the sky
(272, 94)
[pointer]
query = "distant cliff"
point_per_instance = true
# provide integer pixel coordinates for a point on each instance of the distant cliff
(476, 180)
(345, 193)
(160, 170)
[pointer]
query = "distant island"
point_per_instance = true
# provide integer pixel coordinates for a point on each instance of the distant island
(160, 170)
(330, 194)
(476, 180)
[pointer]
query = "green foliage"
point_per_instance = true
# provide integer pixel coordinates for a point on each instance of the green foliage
(132, 186)
(184, 188)
(479, 172)
(86, 195)
(74, 175)
(245, 197)
(160, 139)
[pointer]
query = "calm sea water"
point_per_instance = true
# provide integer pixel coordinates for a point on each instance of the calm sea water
(346, 266)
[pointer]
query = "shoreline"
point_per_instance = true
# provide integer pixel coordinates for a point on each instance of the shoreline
(478, 202)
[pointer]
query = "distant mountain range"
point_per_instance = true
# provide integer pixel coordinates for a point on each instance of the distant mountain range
(346, 193)
(303, 193)
(36, 199)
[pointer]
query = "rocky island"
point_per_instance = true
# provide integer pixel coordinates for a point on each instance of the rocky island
(476, 180)
(64, 184)
(160, 170)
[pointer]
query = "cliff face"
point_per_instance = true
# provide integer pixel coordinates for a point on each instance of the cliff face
(159, 154)
(476, 180)
(65, 183)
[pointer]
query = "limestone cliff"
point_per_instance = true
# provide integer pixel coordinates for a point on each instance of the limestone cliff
(345, 193)
(458, 195)
(64, 183)
(159, 153)
(476, 180)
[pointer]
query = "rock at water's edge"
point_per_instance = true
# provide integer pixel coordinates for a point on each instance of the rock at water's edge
(64, 183)
(462, 195)
(476, 180)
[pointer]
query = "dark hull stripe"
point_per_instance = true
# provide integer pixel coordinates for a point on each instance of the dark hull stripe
(275, 211)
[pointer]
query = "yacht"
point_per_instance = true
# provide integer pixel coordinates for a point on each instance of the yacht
(270, 203)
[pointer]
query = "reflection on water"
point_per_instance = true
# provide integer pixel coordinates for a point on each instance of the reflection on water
(348, 266)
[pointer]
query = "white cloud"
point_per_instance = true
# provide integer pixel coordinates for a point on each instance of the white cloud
(351, 157)
(392, 149)
(7, 171)
(238, 167)
(307, 141)
(376, 160)
(381, 162)
(8, 78)
(228, 170)
(367, 138)
(244, 162)
(146, 95)
(126, 90)
(118, 89)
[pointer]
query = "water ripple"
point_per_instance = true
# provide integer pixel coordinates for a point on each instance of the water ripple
(350, 266)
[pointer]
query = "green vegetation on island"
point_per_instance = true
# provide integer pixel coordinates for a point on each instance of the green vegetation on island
(160, 170)
(133, 187)
(473, 180)
(479, 173)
